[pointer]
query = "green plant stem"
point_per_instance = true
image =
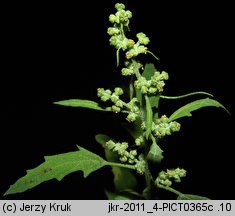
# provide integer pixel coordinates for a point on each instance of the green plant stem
(131, 88)
(149, 181)
(136, 71)
(169, 189)
(120, 165)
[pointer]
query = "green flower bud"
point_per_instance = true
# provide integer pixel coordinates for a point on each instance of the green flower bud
(119, 103)
(144, 90)
(128, 14)
(116, 109)
(123, 159)
(162, 175)
(130, 43)
(114, 98)
(152, 90)
(118, 91)
(142, 49)
(175, 126)
(127, 72)
(140, 165)
(133, 152)
(143, 39)
(131, 161)
(119, 6)
(104, 94)
(122, 148)
(113, 31)
(129, 55)
(110, 144)
(112, 18)
(167, 183)
(131, 117)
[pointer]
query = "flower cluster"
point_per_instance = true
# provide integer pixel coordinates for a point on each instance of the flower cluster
(131, 67)
(106, 95)
(154, 85)
(131, 108)
(165, 178)
(118, 39)
(134, 110)
(162, 127)
(127, 156)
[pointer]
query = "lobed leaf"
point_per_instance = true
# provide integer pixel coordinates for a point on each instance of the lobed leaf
(58, 166)
(82, 103)
(195, 105)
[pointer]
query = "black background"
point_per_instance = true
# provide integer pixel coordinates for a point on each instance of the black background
(61, 51)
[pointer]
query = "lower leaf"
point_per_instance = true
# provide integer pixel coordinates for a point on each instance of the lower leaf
(58, 166)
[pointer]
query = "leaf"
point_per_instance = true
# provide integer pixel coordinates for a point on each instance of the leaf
(155, 153)
(195, 105)
(186, 95)
(149, 117)
(139, 97)
(149, 71)
(191, 197)
(110, 156)
(154, 101)
(123, 178)
(135, 129)
(114, 196)
(82, 103)
(58, 166)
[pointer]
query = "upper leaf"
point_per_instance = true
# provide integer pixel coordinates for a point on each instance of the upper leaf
(195, 105)
(58, 166)
(155, 153)
(110, 155)
(149, 71)
(191, 197)
(82, 103)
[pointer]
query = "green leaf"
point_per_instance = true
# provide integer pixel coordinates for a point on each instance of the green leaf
(149, 71)
(110, 156)
(82, 103)
(186, 95)
(149, 117)
(191, 197)
(155, 153)
(123, 178)
(135, 129)
(154, 101)
(195, 105)
(117, 56)
(58, 166)
(139, 97)
(115, 196)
